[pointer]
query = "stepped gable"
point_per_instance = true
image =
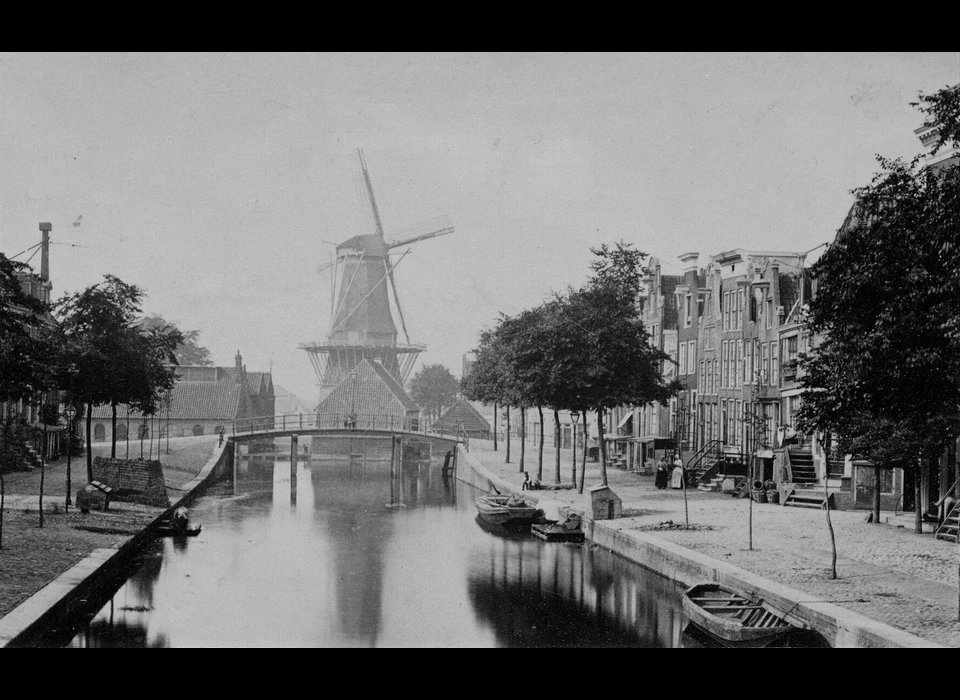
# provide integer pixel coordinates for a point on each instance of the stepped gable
(133, 480)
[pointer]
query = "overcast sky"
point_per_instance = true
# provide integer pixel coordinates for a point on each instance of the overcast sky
(219, 182)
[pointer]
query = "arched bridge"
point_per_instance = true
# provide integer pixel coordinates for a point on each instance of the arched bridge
(335, 425)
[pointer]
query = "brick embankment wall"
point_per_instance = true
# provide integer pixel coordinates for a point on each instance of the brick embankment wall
(133, 480)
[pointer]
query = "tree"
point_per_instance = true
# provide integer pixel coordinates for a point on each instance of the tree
(189, 351)
(601, 352)
(584, 349)
(24, 346)
(885, 376)
(106, 358)
(434, 388)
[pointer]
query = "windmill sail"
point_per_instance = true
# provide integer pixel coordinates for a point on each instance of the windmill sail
(362, 322)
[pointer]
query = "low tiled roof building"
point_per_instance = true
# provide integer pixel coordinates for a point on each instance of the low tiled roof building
(204, 401)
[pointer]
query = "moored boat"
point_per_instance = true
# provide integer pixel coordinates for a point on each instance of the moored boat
(507, 510)
(734, 618)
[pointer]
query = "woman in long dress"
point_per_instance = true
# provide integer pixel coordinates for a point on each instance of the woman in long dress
(677, 480)
(663, 474)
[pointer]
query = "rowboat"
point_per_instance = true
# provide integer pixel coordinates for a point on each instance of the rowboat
(507, 510)
(733, 618)
(172, 530)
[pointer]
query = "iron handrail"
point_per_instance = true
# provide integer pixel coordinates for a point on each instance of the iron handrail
(709, 448)
(332, 421)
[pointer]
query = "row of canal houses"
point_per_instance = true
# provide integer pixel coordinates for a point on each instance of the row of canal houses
(734, 330)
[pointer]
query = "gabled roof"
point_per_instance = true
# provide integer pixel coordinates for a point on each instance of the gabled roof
(371, 392)
(192, 401)
(668, 285)
(463, 411)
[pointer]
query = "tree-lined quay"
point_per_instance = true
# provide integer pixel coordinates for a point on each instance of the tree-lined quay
(834, 385)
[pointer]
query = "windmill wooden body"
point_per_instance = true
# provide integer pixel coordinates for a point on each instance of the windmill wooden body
(362, 320)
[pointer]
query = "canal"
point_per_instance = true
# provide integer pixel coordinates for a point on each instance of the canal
(328, 563)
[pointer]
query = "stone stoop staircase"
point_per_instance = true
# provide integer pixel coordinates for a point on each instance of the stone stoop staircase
(951, 525)
(801, 465)
(807, 498)
(31, 460)
(714, 484)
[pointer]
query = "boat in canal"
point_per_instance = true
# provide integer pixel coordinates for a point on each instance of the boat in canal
(507, 511)
(734, 618)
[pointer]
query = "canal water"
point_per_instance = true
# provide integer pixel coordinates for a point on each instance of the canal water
(328, 559)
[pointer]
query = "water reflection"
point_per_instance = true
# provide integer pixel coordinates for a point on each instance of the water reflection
(351, 553)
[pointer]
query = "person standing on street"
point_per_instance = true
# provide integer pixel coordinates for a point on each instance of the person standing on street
(677, 480)
(663, 473)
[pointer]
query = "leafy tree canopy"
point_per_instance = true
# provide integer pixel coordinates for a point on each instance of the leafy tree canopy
(886, 374)
(189, 352)
(24, 347)
(434, 388)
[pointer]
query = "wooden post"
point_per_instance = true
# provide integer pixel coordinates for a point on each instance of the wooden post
(558, 439)
(508, 435)
(876, 495)
(294, 439)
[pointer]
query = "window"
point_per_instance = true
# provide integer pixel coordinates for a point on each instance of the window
(682, 369)
(739, 363)
(741, 306)
(738, 418)
(791, 348)
(198, 430)
(769, 312)
(765, 375)
(724, 376)
(121, 431)
(748, 362)
(716, 375)
(726, 311)
(99, 433)
(692, 358)
(774, 363)
(753, 308)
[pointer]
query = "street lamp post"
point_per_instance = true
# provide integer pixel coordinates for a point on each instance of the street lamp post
(575, 418)
(70, 413)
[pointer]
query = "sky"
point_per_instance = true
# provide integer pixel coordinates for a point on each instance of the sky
(220, 183)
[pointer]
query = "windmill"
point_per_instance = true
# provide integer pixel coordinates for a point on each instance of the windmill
(363, 326)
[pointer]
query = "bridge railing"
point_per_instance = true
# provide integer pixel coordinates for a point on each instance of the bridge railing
(330, 421)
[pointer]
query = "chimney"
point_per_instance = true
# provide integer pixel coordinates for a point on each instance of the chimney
(45, 252)
(238, 378)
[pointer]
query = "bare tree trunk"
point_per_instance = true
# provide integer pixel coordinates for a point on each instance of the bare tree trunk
(495, 424)
(508, 435)
(917, 509)
(89, 442)
(523, 437)
(826, 500)
(113, 429)
(583, 466)
(876, 495)
(3, 495)
(540, 456)
(556, 432)
(603, 448)
(43, 470)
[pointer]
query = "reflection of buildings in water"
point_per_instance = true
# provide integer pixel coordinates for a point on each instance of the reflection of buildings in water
(538, 594)
(119, 634)
(122, 621)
